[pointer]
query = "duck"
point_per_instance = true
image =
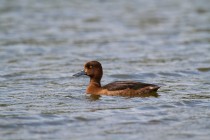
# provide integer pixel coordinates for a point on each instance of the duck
(94, 70)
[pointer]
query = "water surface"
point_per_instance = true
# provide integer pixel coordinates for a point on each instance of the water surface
(43, 43)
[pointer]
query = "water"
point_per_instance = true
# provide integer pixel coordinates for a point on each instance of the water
(43, 43)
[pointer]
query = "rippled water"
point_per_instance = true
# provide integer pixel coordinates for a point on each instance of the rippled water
(42, 43)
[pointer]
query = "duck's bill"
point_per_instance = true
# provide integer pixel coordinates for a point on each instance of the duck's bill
(79, 73)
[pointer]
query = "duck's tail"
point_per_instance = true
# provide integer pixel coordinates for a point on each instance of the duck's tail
(154, 88)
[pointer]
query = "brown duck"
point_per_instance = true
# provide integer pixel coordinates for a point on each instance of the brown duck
(94, 70)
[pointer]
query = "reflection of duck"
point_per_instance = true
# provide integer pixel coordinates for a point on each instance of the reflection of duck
(94, 70)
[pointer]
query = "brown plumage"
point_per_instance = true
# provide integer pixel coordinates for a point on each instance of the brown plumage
(94, 70)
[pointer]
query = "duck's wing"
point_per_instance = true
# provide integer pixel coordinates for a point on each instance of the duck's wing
(121, 85)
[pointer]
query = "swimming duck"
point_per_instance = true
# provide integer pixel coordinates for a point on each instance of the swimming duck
(94, 70)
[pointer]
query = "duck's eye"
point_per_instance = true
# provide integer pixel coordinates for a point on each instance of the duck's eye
(90, 67)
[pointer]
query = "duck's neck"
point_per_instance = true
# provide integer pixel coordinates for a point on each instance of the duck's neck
(94, 86)
(95, 82)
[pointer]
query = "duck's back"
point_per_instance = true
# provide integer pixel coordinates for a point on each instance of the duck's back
(122, 85)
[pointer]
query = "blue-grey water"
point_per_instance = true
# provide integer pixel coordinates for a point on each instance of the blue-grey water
(44, 42)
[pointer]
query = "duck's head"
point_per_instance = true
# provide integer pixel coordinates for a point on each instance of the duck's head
(93, 69)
